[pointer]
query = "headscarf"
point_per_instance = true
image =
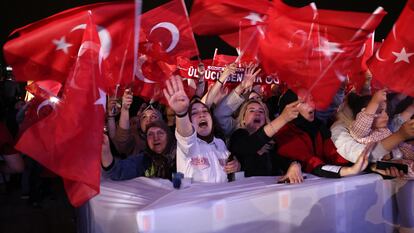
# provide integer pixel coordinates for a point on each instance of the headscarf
(209, 138)
(311, 128)
(161, 164)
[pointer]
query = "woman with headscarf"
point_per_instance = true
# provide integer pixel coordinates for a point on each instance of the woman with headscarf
(130, 133)
(307, 140)
(157, 160)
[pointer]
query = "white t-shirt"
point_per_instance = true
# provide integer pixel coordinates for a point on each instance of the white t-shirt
(201, 161)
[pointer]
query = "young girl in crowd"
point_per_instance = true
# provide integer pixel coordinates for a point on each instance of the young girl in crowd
(200, 155)
(370, 125)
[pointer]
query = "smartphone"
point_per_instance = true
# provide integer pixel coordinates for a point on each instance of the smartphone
(384, 165)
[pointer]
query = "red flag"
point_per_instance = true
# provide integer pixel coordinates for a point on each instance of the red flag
(314, 49)
(169, 25)
(44, 88)
(45, 98)
(358, 80)
(392, 64)
(47, 48)
(154, 67)
(367, 51)
(69, 140)
(166, 36)
(239, 23)
(218, 17)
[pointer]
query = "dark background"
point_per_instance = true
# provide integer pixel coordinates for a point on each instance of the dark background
(15, 14)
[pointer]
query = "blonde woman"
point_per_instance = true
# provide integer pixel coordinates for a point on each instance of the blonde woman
(252, 142)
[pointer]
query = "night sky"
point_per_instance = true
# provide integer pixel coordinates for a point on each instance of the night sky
(15, 14)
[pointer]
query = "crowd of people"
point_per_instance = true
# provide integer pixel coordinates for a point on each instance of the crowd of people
(215, 133)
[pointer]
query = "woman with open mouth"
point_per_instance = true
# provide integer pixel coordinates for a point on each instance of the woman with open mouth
(157, 160)
(253, 146)
(200, 155)
(307, 140)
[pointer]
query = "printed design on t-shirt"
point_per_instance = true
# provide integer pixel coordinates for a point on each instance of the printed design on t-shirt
(200, 162)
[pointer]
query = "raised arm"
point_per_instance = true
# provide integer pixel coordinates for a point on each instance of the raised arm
(112, 111)
(179, 102)
(289, 113)
(126, 104)
(213, 92)
(201, 82)
(362, 126)
(225, 109)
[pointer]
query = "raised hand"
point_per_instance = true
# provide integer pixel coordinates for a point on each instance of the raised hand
(127, 99)
(291, 111)
(249, 75)
(228, 70)
(380, 96)
(176, 96)
(201, 70)
(112, 108)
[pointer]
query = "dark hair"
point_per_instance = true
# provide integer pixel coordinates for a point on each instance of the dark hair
(356, 102)
(287, 98)
(197, 101)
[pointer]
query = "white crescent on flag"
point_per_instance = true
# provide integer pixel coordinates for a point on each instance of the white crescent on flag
(141, 60)
(175, 34)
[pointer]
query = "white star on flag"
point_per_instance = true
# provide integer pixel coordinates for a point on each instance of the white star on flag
(148, 46)
(328, 48)
(61, 44)
(402, 56)
(102, 99)
(253, 17)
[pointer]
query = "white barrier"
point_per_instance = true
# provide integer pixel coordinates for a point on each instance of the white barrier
(364, 203)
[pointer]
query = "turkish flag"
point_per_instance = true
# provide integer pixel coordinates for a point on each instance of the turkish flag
(154, 67)
(314, 50)
(44, 88)
(391, 66)
(44, 99)
(68, 141)
(217, 17)
(47, 49)
(238, 23)
(170, 26)
(166, 36)
(357, 80)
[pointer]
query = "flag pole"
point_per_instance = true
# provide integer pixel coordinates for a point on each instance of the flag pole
(121, 70)
(242, 51)
(214, 55)
(137, 26)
